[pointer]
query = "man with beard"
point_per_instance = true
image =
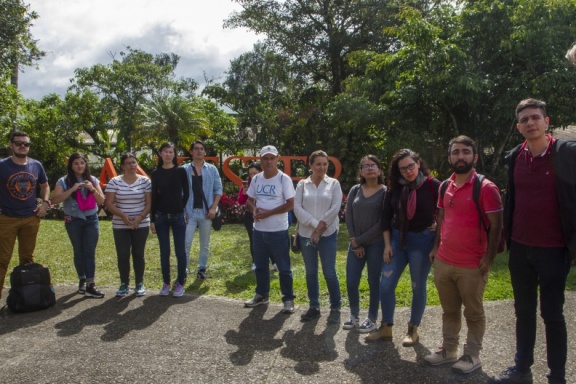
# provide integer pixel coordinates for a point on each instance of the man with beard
(20, 212)
(540, 222)
(462, 255)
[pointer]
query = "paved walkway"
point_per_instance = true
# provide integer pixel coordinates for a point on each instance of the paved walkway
(203, 339)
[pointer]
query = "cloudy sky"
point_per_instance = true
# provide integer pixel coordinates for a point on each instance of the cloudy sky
(81, 33)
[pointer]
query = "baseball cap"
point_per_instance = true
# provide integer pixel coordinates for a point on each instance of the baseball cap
(269, 149)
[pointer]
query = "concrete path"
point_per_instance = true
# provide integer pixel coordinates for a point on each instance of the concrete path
(204, 339)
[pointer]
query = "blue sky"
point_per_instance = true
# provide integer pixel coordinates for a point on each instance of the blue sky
(81, 33)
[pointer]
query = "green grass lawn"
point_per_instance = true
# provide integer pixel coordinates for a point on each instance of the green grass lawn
(229, 267)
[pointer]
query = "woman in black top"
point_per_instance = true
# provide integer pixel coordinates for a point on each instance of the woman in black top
(170, 193)
(409, 224)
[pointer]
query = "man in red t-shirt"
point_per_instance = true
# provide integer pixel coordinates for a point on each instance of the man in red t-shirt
(463, 254)
(540, 220)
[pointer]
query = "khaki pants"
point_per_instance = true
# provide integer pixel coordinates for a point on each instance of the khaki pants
(457, 286)
(25, 230)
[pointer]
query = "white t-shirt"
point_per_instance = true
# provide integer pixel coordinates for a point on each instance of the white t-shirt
(269, 194)
(130, 199)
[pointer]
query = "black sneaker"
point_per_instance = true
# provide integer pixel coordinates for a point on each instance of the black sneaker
(512, 375)
(313, 313)
(93, 291)
(202, 274)
(82, 286)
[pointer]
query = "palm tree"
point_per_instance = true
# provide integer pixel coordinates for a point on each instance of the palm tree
(174, 118)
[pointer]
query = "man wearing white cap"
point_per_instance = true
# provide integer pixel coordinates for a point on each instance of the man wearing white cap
(270, 197)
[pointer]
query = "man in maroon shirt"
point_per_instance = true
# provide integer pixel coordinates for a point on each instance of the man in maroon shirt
(540, 226)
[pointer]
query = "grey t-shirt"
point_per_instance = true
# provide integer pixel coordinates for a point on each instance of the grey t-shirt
(363, 215)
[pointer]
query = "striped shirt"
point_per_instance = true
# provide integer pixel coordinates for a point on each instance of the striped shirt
(129, 199)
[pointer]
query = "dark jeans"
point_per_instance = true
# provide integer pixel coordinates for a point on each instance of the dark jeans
(83, 235)
(277, 244)
(131, 241)
(249, 225)
(547, 268)
(163, 223)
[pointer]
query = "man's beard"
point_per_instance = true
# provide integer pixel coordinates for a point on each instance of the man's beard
(460, 168)
(20, 155)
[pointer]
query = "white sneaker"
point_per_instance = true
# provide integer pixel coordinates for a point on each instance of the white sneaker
(351, 323)
(253, 267)
(367, 326)
(441, 356)
(467, 364)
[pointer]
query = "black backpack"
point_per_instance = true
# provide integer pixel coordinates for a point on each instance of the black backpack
(476, 198)
(30, 288)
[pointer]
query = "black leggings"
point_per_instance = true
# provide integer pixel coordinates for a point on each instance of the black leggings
(131, 241)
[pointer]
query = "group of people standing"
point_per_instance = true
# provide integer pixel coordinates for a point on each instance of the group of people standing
(455, 227)
(411, 220)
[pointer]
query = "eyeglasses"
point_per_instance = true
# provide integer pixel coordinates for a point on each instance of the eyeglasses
(198, 148)
(369, 166)
(409, 167)
(21, 143)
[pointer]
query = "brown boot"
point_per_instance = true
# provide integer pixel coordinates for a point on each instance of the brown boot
(383, 333)
(411, 336)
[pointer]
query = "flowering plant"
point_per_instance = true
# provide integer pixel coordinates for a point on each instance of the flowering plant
(232, 211)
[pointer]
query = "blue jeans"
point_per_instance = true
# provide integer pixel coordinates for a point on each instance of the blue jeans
(266, 245)
(415, 254)
(163, 223)
(84, 235)
(198, 220)
(547, 268)
(326, 249)
(354, 267)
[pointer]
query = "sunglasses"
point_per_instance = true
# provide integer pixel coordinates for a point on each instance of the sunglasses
(21, 143)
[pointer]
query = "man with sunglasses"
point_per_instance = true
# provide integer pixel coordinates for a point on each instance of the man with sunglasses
(20, 212)
(462, 255)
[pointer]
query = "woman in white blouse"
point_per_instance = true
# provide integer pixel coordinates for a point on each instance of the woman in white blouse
(316, 206)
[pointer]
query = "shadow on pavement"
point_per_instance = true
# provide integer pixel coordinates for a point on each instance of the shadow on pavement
(255, 334)
(31, 319)
(152, 308)
(309, 349)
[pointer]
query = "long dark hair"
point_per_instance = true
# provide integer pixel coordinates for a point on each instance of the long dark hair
(71, 175)
(253, 164)
(162, 147)
(394, 175)
(373, 158)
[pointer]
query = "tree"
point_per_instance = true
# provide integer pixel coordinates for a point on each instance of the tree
(128, 83)
(17, 46)
(17, 49)
(461, 69)
(316, 35)
(39, 119)
(259, 86)
(170, 118)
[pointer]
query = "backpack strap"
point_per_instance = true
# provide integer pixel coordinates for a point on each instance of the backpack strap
(477, 189)
(443, 188)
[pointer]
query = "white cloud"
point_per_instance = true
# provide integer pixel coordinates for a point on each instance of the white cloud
(81, 33)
